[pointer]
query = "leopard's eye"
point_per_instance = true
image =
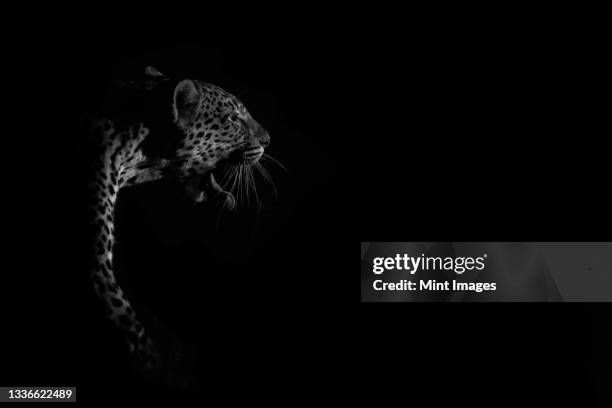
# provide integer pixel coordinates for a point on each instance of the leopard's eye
(233, 117)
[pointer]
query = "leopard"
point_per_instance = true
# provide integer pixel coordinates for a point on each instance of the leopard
(179, 129)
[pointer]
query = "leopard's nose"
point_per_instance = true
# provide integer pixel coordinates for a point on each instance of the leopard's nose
(259, 133)
(264, 139)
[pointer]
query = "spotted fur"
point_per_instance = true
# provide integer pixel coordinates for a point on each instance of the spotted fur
(205, 127)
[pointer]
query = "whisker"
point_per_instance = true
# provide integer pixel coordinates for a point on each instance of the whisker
(226, 177)
(266, 176)
(267, 156)
(239, 184)
(235, 180)
(242, 193)
(247, 185)
(248, 179)
(252, 178)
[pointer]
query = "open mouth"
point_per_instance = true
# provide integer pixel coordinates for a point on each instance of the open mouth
(200, 187)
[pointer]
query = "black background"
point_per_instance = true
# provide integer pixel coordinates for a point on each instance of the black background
(385, 136)
(239, 285)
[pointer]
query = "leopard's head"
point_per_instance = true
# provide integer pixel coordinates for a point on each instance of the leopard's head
(215, 128)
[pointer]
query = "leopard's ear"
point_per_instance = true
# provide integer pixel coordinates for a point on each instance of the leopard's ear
(153, 72)
(186, 98)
